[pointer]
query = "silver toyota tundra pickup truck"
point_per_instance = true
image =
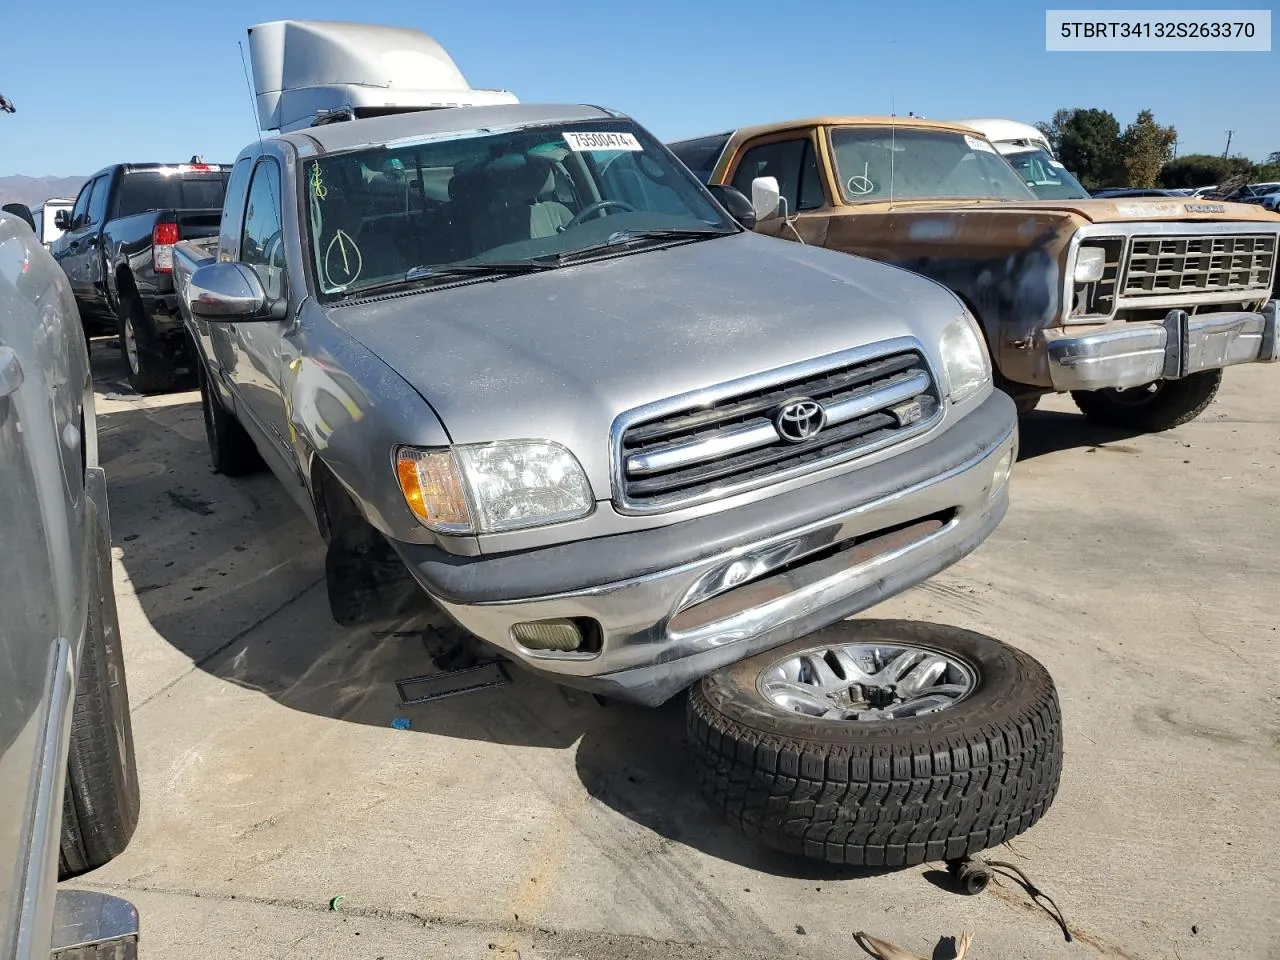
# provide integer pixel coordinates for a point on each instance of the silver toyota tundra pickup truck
(519, 365)
(608, 429)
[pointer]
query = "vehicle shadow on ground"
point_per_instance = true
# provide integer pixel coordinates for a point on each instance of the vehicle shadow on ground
(1050, 431)
(230, 573)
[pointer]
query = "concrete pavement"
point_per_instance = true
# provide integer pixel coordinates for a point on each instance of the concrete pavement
(533, 822)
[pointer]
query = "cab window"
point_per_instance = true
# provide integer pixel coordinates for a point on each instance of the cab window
(80, 212)
(795, 166)
(98, 203)
(261, 245)
(233, 209)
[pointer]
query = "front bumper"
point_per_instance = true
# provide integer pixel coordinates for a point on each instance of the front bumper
(768, 572)
(1123, 355)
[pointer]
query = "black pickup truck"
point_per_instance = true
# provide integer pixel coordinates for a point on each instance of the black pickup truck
(117, 252)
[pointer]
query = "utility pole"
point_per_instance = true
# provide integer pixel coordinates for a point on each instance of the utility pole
(1227, 150)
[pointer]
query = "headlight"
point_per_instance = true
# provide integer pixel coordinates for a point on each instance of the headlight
(490, 487)
(1090, 263)
(965, 357)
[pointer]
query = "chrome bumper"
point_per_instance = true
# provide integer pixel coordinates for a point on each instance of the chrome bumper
(88, 925)
(661, 631)
(1123, 355)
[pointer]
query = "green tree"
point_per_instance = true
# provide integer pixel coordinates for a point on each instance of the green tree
(1273, 158)
(1145, 147)
(1201, 170)
(1087, 141)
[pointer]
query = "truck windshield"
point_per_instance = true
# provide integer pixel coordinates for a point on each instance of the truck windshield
(170, 189)
(905, 163)
(1047, 178)
(536, 197)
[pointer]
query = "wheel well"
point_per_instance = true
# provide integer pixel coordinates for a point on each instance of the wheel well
(334, 506)
(125, 286)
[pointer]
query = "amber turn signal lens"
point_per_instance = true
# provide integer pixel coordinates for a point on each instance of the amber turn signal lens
(432, 488)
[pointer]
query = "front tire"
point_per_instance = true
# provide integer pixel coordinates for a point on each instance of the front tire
(231, 451)
(150, 360)
(868, 783)
(100, 806)
(1153, 407)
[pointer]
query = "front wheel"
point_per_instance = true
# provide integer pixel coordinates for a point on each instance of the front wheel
(100, 806)
(231, 451)
(1152, 407)
(880, 743)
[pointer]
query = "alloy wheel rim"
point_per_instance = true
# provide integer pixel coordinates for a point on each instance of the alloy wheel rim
(130, 344)
(864, 682)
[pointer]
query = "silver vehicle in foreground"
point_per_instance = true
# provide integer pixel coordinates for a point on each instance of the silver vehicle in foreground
(68, 787)
(518, 354)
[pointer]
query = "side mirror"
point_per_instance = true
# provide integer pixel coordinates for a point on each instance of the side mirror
(231, 292)
(766, 197)
(22, 211)
(735, 204)
(62, 219)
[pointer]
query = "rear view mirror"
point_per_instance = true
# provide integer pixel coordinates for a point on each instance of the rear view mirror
(735, 204)
(766, 197)
(22, 211)
(62, 219)
(230, 292)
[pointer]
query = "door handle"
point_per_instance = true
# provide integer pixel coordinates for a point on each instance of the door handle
(10, 371)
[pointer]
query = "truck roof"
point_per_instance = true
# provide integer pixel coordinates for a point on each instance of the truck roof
(843, 121)
(374, 131)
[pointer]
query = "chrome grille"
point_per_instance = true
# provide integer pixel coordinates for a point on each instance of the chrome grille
(1241, 263)
(697, 454)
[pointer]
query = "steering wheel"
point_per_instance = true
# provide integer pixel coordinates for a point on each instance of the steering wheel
(592, 209)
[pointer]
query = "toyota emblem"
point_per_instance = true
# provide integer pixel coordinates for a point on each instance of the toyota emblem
(798, 420)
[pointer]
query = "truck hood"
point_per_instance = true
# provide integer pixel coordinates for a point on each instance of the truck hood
(1118, 210)
(559, 355)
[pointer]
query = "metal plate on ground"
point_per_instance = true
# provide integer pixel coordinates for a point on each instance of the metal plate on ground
(452, 683)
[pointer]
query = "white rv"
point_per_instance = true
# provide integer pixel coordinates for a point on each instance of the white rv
(45, 216)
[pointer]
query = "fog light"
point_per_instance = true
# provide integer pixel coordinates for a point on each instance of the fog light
(561, 635)
(1000, 475)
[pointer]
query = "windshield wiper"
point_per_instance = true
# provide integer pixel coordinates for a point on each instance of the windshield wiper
(477, 268)
(623, 238)
(432, 273)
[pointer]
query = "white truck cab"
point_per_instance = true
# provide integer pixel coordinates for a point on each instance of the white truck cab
(310, 72)
(1028, 151)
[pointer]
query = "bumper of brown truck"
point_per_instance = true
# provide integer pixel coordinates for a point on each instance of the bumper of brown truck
(1123, 355)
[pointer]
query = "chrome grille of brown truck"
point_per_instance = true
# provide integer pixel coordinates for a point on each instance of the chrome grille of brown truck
(1231, 263)
(734, 443)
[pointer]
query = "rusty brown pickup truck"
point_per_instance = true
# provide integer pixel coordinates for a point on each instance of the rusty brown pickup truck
(1132, 305)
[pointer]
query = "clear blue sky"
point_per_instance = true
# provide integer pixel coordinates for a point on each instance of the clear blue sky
(94, 85)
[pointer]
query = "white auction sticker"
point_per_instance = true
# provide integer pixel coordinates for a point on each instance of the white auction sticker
(601, 141)
(977, 143)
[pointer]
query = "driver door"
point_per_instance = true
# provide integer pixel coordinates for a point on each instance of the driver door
(256, 370)
(791, 158)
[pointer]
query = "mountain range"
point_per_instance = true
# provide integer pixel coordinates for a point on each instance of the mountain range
(34, 191)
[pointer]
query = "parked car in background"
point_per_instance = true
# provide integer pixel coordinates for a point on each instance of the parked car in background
(1114, 192)
(117, 252)
(47, 229)
(68, 787)
(1265, 195)
(1027, 150)
(1132, 305)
